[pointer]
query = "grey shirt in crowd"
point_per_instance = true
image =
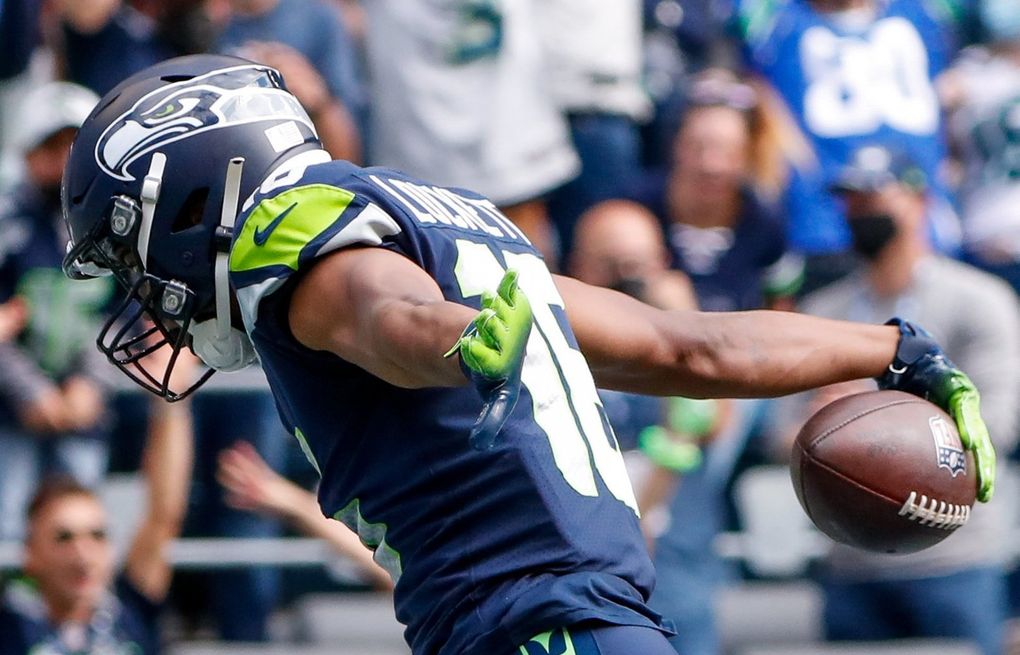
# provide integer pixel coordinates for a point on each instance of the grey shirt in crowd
(976, 318)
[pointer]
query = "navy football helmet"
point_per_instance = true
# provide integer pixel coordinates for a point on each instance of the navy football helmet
(150, 194)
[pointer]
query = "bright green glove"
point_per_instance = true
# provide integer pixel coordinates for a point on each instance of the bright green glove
(964, 405)
(921, 368)
(492, 354)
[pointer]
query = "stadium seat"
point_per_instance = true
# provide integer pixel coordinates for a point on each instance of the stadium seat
(903, 647)
(355, 620)
(756, 613)
(778, 539)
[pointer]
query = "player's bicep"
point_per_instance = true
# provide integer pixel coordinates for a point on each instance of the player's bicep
(380, 311)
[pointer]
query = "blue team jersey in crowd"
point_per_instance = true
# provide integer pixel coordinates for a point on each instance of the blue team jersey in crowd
(488, 548)
(848, 86)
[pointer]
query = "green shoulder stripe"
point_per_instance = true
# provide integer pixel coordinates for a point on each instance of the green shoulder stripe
(280, 227)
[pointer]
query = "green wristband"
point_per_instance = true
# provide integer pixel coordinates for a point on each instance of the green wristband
(692, 417)
(667, 452)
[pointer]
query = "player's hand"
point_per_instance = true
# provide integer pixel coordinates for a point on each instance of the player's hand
(492, 351)
(921, 368)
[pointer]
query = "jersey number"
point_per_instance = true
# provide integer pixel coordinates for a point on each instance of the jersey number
(855, 85)
(565, 403)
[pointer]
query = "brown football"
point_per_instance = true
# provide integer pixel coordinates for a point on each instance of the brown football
(884, 471)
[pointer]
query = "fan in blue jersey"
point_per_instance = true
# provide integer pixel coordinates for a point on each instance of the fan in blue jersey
(201, 186)
(852, 73)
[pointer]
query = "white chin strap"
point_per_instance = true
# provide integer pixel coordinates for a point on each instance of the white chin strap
(216, 341)
(151, 186)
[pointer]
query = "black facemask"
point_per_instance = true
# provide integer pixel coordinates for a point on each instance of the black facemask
(871, 233)
(634, 287)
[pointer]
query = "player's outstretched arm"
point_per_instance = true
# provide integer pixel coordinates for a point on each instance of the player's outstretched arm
(631, 346)
(634, 347)
(380, 311)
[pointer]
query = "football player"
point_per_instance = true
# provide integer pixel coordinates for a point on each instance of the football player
(200, 185)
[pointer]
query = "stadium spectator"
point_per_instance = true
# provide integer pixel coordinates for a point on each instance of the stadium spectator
(852, 72)
(878, 597)
(252, 486)
(726, 235)
(619, 245)
(239, 601)
(307, 41)
(19, 34)
(722, 232)
(70, 598)
(682, 38)
(697, 27)
(459, 97)
(593, 72)
(52, 395)
(982, 92)
(103, 41)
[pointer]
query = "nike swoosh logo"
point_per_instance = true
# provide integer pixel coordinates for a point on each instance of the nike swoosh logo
(261, 236)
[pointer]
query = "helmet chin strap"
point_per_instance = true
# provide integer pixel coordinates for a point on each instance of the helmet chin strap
(150, 196)
(216, 341)
(228, 214)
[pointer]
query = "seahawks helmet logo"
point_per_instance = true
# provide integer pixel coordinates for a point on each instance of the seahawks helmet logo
(216, 100)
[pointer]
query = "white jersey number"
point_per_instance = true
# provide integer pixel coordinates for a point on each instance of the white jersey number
(857, 84)
(565, 403)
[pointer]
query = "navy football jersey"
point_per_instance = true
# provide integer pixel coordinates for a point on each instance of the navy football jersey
(487, 548)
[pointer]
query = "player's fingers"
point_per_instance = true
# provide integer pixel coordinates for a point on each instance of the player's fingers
(508, 287)
(491, 329)
(984, 459)
(987, 478)
(504, 309)
(965, 407)
(480, 357)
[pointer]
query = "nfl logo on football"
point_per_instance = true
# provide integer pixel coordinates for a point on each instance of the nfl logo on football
(947, 446)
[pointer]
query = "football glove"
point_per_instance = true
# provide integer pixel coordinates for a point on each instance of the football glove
(921, 368)
(492, 354)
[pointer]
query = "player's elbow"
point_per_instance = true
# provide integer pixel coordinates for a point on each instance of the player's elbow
(695, 355)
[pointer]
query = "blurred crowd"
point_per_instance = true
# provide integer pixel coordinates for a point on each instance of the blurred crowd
(855, 159)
